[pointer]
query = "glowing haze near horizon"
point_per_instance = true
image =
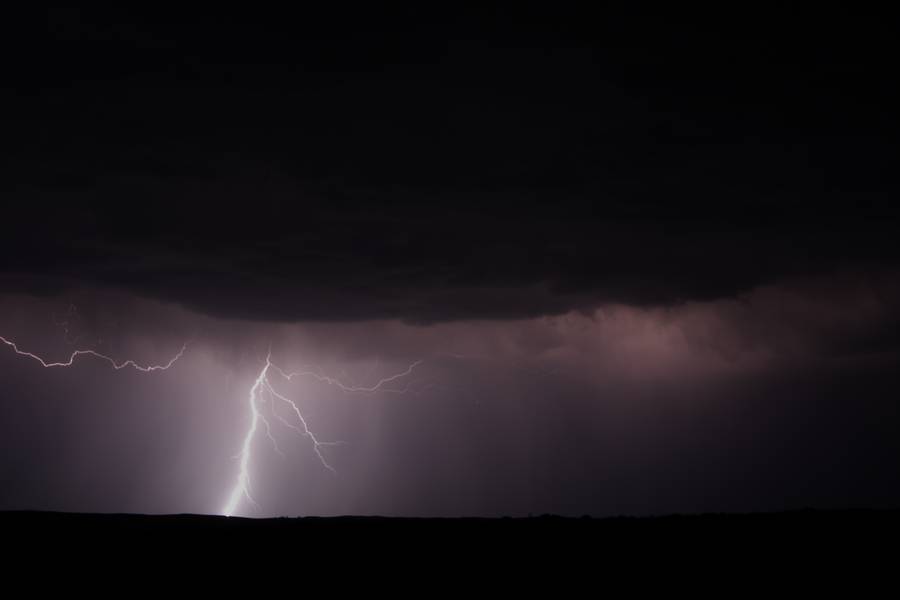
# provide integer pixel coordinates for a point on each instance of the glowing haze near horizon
(737, 404)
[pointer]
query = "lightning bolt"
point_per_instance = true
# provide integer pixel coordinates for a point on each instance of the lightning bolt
(318, 375)
(262, 391)
(117, 365)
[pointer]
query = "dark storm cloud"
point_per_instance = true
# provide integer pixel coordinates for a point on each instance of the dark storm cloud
(436, 167)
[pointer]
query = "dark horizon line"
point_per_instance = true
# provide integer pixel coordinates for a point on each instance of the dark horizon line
(804, 511)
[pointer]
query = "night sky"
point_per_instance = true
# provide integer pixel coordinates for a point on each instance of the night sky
(621, 261)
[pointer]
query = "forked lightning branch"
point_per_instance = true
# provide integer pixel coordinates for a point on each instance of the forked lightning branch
(261, 392)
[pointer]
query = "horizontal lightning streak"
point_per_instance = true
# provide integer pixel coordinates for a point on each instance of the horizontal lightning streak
(74, 355)
(379, 386)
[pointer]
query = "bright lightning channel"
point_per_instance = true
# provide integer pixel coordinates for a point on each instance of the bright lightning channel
(263, 390)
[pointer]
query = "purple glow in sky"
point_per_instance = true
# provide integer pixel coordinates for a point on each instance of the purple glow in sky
(732, 404)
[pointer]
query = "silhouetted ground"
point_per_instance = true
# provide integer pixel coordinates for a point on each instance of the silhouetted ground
(809, 546)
